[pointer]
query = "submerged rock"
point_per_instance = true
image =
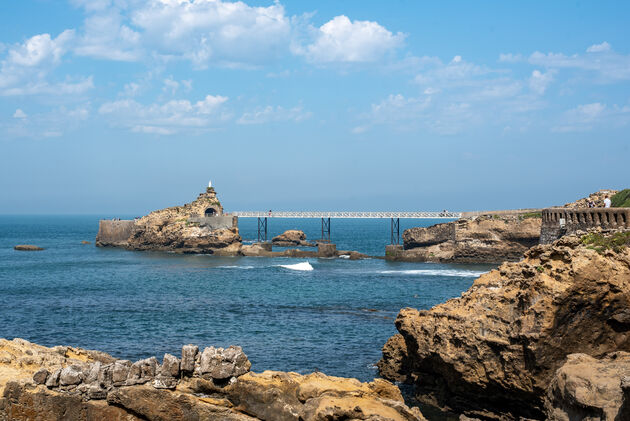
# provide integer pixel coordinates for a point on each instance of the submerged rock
(27, 247)
(496, 349)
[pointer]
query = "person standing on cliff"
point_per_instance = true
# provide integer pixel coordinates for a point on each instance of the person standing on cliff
(606, 202)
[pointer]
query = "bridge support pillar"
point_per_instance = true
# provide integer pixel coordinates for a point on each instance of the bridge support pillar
(262, 230)
(326, 230)
(395, 231)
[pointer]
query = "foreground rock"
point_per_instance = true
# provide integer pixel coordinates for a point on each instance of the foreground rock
(585, 388)
(214, 384)
(27, 247)
(494, 351)
(291, 238)
(181, 229)
(479, 239)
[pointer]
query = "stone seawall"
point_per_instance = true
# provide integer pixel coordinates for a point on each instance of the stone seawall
(215, 222)
(114, 233)
(557, 222)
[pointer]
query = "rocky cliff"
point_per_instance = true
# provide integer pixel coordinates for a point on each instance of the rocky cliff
(493, 352)
(213, 384)
(480, 239)
(172, 229)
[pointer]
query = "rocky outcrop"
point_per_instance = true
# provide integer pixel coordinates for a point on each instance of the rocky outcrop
(291, 238)
(480, 239)
(585, 388)
(27, 247)
(494, 351)
(597, 198)
(214, 384)
(172, 229)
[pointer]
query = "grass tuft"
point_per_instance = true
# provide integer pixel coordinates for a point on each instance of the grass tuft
(621, 199)
(600, 243)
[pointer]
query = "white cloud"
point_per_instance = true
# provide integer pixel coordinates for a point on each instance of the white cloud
(213, 31)
(587, 117)
(607, 64)
(344, 41)
(274, 114)
(165, 118)
(19, 114)
(106, 37)
(26, 67)
(599, 48)
(539, 81)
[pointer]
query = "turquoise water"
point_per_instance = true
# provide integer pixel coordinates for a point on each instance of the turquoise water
(133, 305)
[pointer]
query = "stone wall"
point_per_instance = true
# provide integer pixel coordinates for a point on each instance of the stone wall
(215, 222)
(557, 222)
(114, 233)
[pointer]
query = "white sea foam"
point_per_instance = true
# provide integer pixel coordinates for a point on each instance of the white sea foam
(435, 272)
(298, 266)
(234, 267)
(344, 256)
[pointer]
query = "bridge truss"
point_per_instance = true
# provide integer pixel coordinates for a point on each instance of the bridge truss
(327, 216)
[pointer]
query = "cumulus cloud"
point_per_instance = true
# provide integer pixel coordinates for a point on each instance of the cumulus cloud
(344, 41)
(26, 67)
(19, 114)
(539, 81)
(599, 48)
(106, 37)
(213, 31)
(165, 118)
(274, 114)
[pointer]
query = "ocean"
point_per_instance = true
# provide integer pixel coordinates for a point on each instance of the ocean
(334, 318)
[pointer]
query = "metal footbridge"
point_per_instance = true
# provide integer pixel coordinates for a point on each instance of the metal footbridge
(327, 216)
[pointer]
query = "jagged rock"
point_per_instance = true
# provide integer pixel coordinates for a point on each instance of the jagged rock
(120, 372)
(220, 364)
(170, 366)
(479, 239)
(40, 376)
(597, 198)
(589, 389)
(71, 375)
(142, 371)
(53, 379)
(189, 356)
(96, 392)
(495, 349)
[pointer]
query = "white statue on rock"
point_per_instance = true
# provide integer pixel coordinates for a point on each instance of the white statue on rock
(210, 184)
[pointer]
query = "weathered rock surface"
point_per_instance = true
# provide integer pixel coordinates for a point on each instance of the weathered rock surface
(597, 198)
(496, 349)
(291, 238)
(27, 247)
(585, 388)
(480, 239)
(171, 230)
(213, 385)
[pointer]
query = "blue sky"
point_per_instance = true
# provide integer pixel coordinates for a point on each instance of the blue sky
(124, 106)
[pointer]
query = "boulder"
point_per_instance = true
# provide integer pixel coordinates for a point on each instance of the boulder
(27, 247)
(494, 351)
(120, 372)
(221, 364)
(41, 376)
(291, 238)
(189, 357)
(142, 371)
(71, 375)
(592, 389)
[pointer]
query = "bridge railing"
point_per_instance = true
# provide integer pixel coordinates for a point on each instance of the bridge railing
(349, 215)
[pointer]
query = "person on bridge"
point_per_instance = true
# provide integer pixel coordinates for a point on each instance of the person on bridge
(269, 212)
(607, 202)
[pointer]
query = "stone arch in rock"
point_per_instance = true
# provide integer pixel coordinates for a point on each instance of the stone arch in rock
(210, 212)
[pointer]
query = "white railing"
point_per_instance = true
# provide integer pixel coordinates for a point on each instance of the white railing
(289, 214)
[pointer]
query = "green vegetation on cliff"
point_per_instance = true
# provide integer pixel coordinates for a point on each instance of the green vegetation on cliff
(621, 199)
(600, 243)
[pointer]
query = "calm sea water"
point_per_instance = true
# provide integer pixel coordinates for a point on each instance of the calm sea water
(133, 305)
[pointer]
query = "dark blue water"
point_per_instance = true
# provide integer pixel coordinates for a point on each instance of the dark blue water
(132, 305)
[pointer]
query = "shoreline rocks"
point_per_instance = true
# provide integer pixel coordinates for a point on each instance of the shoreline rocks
(493, 352)
(75, 384)
(479, 239)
